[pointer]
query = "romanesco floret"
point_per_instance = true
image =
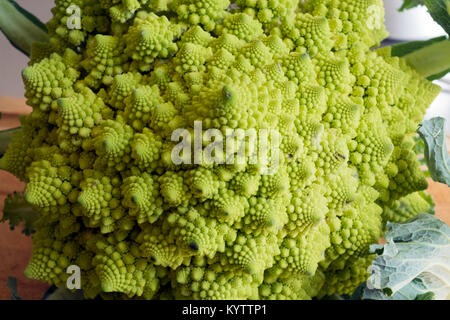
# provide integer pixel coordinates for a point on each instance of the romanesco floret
(96, 152)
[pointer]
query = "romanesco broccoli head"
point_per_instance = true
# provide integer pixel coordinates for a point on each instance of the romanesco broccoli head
(97, 150)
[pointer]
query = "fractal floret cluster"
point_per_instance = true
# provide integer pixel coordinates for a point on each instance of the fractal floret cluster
(96, 152)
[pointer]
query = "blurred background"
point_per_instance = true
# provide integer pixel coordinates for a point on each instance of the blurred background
(413, 24)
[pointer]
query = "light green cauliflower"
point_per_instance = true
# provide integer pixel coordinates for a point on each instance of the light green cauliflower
(96, 152)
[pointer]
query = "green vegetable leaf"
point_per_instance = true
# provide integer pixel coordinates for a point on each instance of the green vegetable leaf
(432, 133)
(20, 26)
(430, 60)
(439, 75)
(416, 59)
(17, 210)
(408, 4)
(402, 49)
(439, 11)
(414, 264)
(419, 149)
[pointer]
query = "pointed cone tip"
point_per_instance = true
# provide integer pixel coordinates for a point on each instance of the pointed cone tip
(28, 272)
(107, 286)
(30, 197)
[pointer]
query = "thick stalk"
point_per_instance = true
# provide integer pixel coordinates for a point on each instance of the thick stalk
(20, 26)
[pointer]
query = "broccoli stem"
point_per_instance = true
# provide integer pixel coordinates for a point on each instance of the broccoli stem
(431, 60)
(20, 26)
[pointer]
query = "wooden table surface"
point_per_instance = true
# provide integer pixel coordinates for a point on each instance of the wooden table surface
(15, 248)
